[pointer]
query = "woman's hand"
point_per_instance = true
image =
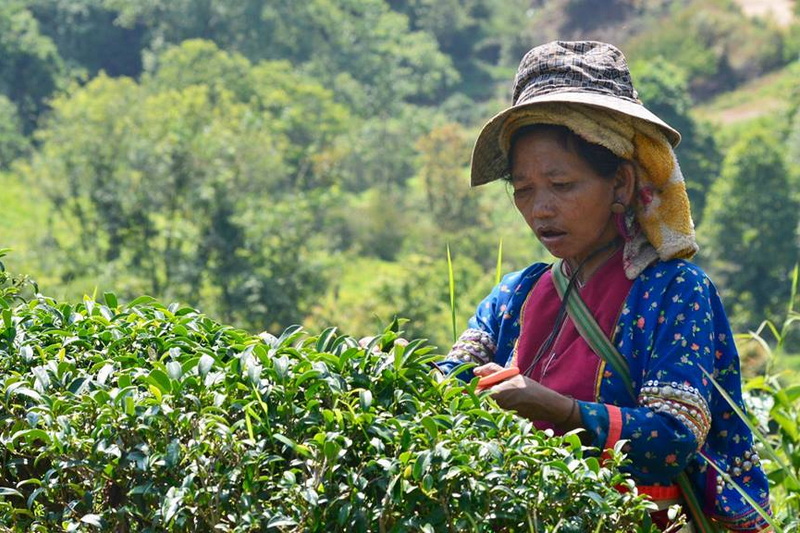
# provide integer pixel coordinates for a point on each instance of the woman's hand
(532, 400)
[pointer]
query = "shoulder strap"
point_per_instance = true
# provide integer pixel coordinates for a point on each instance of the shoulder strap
(591, 331)
(597, 340)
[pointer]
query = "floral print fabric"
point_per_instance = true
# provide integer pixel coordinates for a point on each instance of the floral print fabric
(672, 330)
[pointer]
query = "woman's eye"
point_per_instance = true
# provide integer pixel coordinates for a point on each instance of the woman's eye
(520, 194)
(562, 185)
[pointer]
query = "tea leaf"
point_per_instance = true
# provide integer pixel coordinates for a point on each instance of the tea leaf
(92, 519)
(205, 364)
(365, 399)
(326, 339)
(422, 464)
(430, 426)
(111, 299)
(160, 380)
(8, 491)
(31, 435)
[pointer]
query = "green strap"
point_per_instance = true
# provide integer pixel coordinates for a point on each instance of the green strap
(701, 521)
(597, 340)
(590, 330)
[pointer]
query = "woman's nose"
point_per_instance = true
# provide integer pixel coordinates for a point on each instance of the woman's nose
(542, 206)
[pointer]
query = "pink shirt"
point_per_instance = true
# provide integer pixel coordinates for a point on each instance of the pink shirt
(570, 367)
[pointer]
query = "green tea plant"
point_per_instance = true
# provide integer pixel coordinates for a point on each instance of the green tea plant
(14, 287)
(146, 417)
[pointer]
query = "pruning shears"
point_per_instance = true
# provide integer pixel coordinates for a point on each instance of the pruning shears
(497, 377)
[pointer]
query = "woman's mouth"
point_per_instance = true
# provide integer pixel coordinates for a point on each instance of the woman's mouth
(549, 235)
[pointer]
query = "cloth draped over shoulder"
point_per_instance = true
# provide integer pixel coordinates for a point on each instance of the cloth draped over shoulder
(671, 327)
(661, 204)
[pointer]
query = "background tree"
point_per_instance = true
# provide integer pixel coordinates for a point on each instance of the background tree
(13, 142)
(269, 170)
(30, 67)
(477, 34)
(188, 184)
(749, 238)
(449, 200)
(361, 48)
(792, 136)
(709, 40)
(88, 37)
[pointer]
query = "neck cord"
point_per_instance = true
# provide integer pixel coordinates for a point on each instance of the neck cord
(562, 308)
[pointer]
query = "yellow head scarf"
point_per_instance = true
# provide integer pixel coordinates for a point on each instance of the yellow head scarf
(661, 203)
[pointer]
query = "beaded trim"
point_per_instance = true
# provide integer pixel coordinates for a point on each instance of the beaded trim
(473, 346)
(741, 466)
(739, 471)
(681, 401)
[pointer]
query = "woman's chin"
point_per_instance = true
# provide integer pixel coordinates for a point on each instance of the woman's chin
(556, 248)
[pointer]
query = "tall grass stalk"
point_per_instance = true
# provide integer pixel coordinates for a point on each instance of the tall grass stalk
(780, 442)
(764, 514)
(767, 447)
(452, 294)
(498, 275)
(757, 433)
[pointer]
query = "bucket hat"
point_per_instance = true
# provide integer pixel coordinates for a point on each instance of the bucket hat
(589, 73)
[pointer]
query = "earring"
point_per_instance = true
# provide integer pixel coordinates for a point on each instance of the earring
(625, 220)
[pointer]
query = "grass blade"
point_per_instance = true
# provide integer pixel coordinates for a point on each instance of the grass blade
(499, 272)
(758, 339)
(452, 293)
(795, 281)
(756, 432)
(790, 313)
(765, 515)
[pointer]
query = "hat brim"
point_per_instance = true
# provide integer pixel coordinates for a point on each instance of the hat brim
(489, 160)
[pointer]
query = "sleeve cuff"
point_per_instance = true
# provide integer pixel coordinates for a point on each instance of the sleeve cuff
(603, 421)
(614, 426)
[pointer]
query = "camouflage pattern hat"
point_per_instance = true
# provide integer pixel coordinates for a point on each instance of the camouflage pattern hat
(590, 73)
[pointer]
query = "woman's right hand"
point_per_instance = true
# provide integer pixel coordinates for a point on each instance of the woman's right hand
(532, 400)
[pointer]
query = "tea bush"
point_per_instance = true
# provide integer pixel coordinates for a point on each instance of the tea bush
(145, 417)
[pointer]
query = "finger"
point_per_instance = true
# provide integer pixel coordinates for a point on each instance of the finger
(487, 369)
(517, 382)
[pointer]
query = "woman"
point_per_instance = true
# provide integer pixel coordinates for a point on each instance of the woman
(595, 177)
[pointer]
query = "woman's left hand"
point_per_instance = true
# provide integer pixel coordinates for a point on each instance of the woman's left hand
(532, 400)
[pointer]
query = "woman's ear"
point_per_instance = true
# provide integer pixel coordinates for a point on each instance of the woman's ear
(625, 183)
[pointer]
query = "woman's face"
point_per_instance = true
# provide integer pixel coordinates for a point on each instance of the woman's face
(564, 201)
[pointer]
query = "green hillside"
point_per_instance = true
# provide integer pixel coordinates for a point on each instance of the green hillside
(24, 221)
(770, 95)
(280, 163)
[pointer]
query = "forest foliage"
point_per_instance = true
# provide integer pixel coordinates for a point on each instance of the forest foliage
(279, 162)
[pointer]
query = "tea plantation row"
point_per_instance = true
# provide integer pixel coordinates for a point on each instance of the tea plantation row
(146, 417)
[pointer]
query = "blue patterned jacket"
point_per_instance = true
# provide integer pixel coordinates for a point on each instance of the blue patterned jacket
(672, 326)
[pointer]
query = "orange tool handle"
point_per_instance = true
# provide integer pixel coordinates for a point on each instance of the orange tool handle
(497, 377)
